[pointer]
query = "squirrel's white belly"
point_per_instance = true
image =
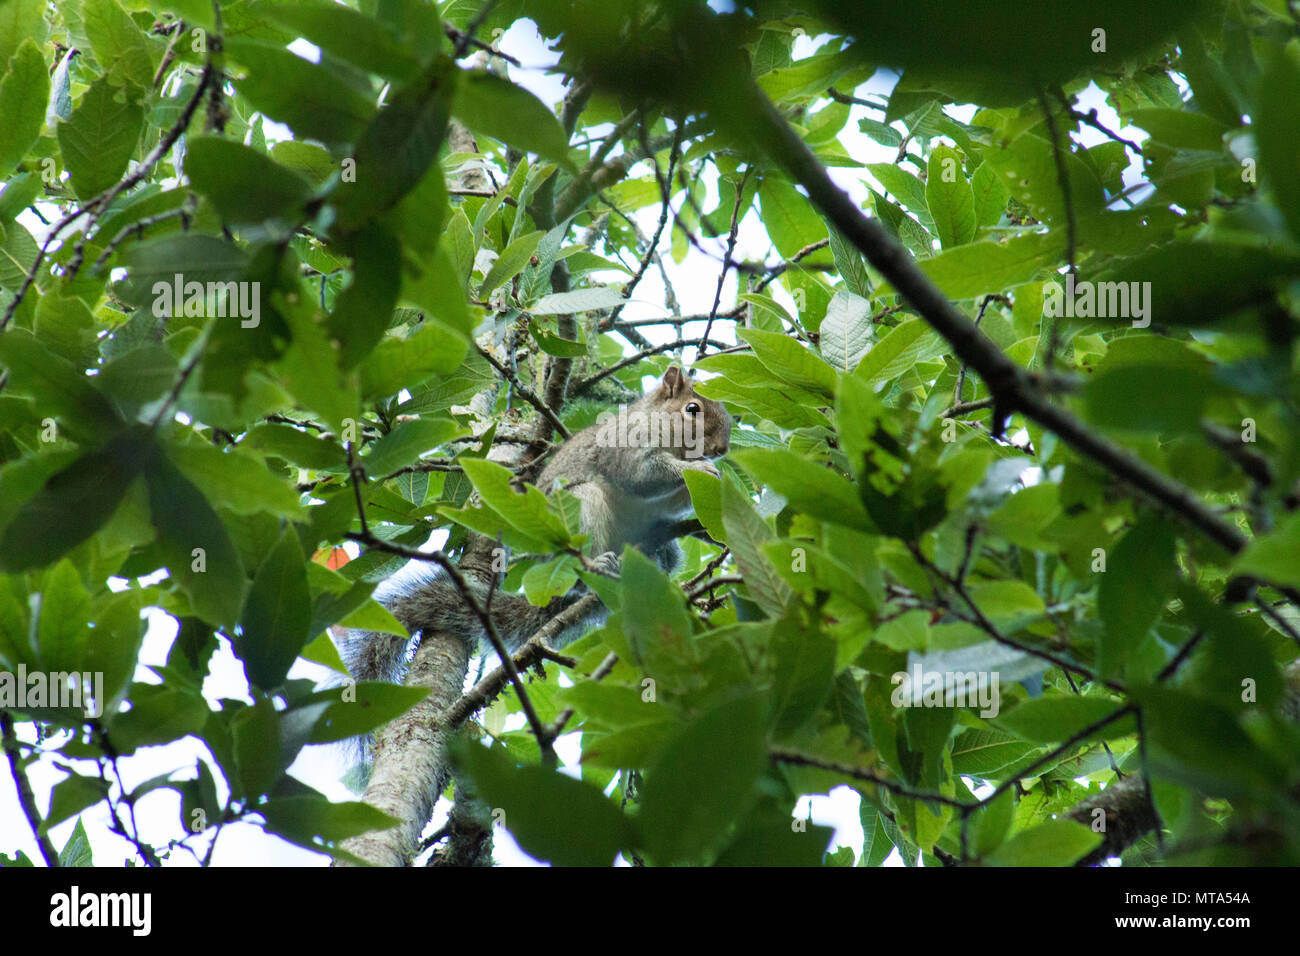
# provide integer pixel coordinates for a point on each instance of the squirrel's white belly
(614, 518)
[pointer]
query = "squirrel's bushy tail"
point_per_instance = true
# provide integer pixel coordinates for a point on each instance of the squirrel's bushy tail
(434, 603)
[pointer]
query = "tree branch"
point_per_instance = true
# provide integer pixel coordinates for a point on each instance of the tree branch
(1009, 384)
(26, 799)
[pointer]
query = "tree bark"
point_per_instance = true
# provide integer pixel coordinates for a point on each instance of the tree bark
(410, 764)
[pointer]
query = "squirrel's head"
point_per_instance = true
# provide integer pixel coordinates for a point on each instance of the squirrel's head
(705, 424)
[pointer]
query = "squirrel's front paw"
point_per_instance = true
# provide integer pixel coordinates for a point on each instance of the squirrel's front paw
(607, 564)
(702, 464)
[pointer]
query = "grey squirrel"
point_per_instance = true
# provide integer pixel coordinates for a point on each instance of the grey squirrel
(627, 472)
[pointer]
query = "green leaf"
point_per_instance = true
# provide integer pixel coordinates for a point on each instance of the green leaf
(361, 708)
(1138, 581)
(372, 616)
(846, 333)
(58, 387)
(876, 842)
(407, 442)
(317, 824)
(704, 781)
(74, 503)
(296, 446)
(1200, 744)
(949, 197)
(898, 351)
(655, 620)
(803, 669)
(1149, 397)
(1194, 283)
(19, 20)
(992, 821)
(880, 133)
(1053, 719)
(790, 361)
(18, 252)
(1054, 843)
(350, 36)
(1181, 128)
(155, 263)
(435, 287)
(811, 488)
(76, 852)
(510, 263)
(276, 614)
(706, 499)
(398, 148)
(981, 267)
(989, 194)
(747, 532)
(308, 160)
(313, 101)
(119, 45)
(555, 818)
(362, 311)
(24, 91)
(235, 480)
(100, 136)
(784, 405)
(542, 582)
(159, 714)
(194, 545)
(21, 190)
(245, 185)
(580, 300)
(788, 216)
(138, 376)
(396, 364)
(552, 344)
(849, 264)
(959, 48)
(71, 795)
(1010, 605)
(63, 630)
(492, 105)
(255, 733)
(1277, 130)
(1275, 556)
(983, 753)
(770, 838)
(905, 188)
(1028, 167)
(525, 512)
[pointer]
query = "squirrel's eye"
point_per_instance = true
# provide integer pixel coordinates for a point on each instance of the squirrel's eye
(693, 408)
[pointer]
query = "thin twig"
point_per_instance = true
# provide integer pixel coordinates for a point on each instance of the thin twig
(665, 208)
(26, 799)
(527, 394)
(1063, 182)
(591, 380)
(726, 262)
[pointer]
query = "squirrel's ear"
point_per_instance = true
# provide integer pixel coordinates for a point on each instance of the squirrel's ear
(674, 381)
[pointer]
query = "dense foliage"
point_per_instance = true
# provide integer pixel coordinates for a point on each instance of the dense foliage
(1091, 499)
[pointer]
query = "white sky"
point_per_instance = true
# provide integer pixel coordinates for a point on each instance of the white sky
(694, 282)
